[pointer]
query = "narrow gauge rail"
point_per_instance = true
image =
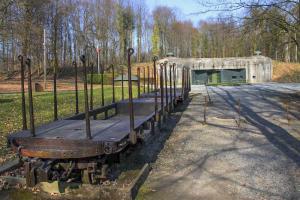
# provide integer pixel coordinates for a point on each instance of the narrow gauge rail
(81, 147)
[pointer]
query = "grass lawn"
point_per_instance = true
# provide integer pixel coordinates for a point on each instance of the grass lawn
(11, 114)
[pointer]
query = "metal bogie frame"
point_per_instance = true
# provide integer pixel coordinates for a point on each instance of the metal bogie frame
(83, 139)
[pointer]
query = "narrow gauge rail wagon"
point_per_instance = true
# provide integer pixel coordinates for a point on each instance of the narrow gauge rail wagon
(81, 147)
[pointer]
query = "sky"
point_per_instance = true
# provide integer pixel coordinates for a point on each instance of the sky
(187, 7)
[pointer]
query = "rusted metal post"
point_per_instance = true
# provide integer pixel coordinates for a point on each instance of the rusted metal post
(151, 81)
(76, 88)
(102, 91)
(186, 80)
(24, 120)
(122, 83)
(166, 86)
(171, 92)
(205, 108)
(190, 81)
(144, 80)
(148, 79)
(55, 94)
(155, 58)
(138, 82)
(162, 90)
(30, 98)
(102, 85)
(183, 82)
(113, 84)
(92, 87)
(132, 137)
(174, 80)
(86, 100)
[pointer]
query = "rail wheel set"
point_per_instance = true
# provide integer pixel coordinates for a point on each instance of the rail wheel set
(82, 147)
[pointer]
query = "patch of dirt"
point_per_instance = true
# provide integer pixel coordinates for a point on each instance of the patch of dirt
(286, 72)
(14, 86)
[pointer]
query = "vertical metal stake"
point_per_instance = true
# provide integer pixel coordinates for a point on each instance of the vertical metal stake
(144, 80)
(174, 80)
(138, 82)
(76, 88)
(155, 58)
(92, 87)
(205, 107)
(122, 83)
(148, 79)
(113, 84)
(133, 137)
(166, 87)
(55, 94)
(171, 92)
(24, 120)
(86, 100)
(30, 98)
(162, 90)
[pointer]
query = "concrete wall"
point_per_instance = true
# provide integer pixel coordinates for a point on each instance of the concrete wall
(258, 68)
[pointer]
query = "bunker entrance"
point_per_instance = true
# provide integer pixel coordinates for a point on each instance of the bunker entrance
(200, 77)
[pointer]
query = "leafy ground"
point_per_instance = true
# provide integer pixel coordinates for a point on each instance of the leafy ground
(11, 116)
(286, 72)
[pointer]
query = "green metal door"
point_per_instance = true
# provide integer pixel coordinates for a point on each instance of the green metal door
(199, 77)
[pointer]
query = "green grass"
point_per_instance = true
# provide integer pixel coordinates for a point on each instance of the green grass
(11, 114)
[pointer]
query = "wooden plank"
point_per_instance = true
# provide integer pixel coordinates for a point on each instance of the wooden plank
(138, 181)
(14, 180)
(10, 165)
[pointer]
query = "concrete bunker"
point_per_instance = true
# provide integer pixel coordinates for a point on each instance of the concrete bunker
(254, 69)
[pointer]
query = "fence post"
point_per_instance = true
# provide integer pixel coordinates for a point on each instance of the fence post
(24, 120)
(30, 98)
(86, 100)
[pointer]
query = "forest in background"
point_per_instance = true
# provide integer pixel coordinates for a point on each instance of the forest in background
(66, 29)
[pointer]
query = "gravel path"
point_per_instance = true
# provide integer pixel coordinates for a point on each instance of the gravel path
(259, 159)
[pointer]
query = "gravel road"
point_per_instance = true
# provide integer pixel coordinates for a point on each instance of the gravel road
(254, 155)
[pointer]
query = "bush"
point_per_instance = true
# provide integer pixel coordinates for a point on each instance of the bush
(107, 78)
